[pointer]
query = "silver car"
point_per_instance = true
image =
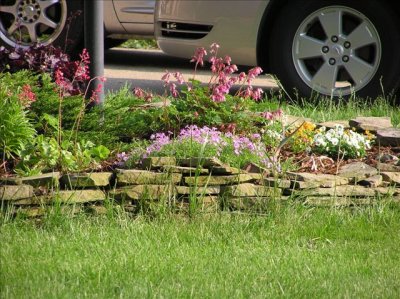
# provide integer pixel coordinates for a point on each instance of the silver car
(333, 47)
(60, 22)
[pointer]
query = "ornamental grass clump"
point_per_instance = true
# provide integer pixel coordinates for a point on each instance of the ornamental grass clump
(341, 143)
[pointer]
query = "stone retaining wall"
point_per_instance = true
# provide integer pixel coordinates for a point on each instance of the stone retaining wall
(208, 182)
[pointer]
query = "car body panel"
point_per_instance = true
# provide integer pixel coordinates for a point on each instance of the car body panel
(136, 17)
(241, 16)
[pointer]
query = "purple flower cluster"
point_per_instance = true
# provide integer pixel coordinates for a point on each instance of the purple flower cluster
(202, 135)
(159, 140)
(242, 143)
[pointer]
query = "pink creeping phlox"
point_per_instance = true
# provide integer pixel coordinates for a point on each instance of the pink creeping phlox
(159, 140)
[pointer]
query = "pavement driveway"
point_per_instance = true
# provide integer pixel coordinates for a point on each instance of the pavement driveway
(144, 68)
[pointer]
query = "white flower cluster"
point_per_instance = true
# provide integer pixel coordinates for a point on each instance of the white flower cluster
(336, 141)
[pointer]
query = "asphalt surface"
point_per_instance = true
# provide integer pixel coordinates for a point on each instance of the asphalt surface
(144, 69)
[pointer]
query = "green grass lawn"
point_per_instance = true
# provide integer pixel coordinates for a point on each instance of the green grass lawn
(293, 252)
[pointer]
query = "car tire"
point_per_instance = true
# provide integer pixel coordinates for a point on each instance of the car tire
(24, 23)
(310, 52)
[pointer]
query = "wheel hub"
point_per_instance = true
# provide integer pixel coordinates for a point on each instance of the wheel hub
(28, 11)
(337, 51)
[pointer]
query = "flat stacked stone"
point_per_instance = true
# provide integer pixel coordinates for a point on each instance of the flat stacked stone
(158, 162)
(143, 192)
(222, 180)
(357, 171)
(141, 177)
(372, 124)
(301, 180)
(333, 124)
(48, 180)
(15, 192)
(388, 137)
(86, 180)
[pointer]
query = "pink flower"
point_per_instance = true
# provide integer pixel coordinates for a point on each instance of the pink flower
(172, 89)
(139, 92)
(253, 73)
(214, 48)
(231, 69)
(27, 96)
(166, 77)
(241, 76)
(256, 95)
(267, 115)
(179, 77)
(199, 56)
(248, 92)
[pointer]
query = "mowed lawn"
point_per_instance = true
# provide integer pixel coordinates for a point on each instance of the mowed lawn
(292, 252)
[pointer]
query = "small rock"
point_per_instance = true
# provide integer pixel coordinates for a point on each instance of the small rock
(384, 158)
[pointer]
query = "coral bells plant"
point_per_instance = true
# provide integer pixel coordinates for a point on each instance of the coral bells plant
(341, 143)
(51, 60)
(212, 104)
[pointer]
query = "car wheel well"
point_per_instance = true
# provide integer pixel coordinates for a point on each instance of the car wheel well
(267, 23)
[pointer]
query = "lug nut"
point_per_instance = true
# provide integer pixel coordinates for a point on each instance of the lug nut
(332, 61)
(325, 49)
(345, 58)
(335, 39)
(347, 45)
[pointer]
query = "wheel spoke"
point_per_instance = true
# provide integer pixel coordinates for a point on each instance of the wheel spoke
(32, 32)
(331, 21)
(325, 77)
(14, 26)
(361, 36)
(47, 3)
(46, 21)
(359, 69)
(308, 47)
(11, 9)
